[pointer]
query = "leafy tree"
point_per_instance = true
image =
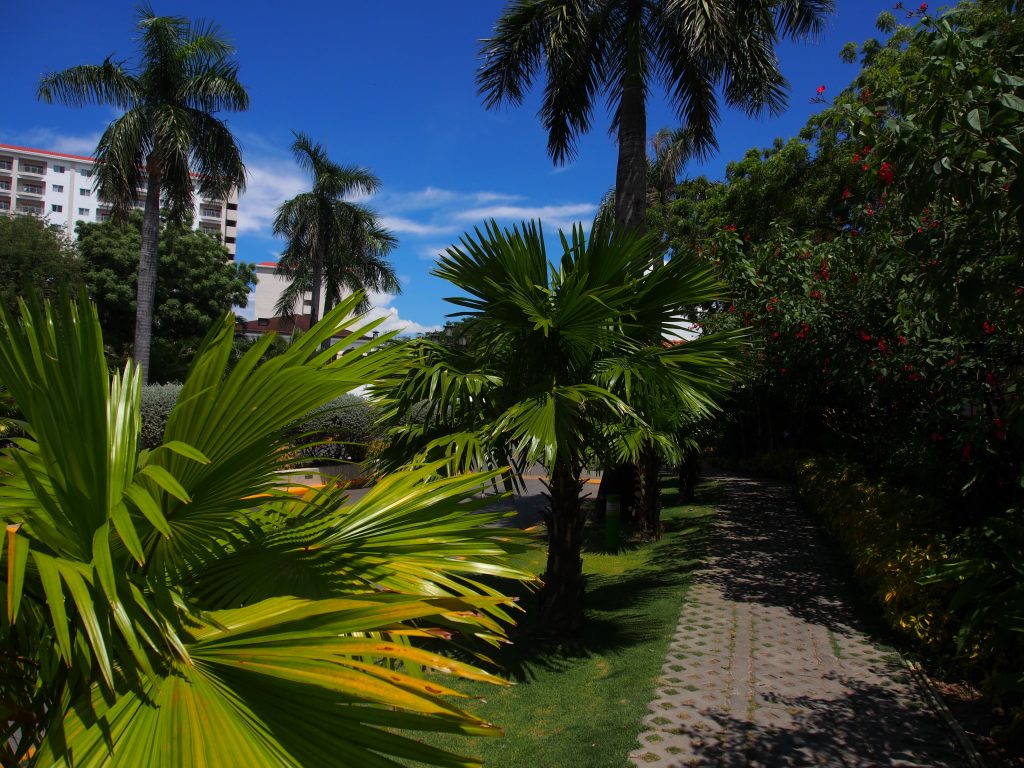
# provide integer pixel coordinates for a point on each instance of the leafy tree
(35, 257)
(196, 284)
(695, 50)
(333, 245)
(170, 607)
(560, 365)
(168, 141)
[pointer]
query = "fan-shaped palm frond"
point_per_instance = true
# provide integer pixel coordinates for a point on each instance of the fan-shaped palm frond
(157, 612)
(564, 353)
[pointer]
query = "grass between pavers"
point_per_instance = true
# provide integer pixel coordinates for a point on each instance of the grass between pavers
(582, 706)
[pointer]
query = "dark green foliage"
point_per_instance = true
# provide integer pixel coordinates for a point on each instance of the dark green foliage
(196, 285)
(348, 425)
(33, 253)
(156, 405)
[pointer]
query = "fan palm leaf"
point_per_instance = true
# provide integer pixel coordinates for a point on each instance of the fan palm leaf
(157, 612)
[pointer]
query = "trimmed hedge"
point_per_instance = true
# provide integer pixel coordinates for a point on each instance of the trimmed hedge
(347, 426)
(893, 538)
(156, 404)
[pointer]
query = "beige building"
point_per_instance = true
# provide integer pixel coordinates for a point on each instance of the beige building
(268, 290)
(62, 188)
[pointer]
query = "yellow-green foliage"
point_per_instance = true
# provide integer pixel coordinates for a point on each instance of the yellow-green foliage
(893, 538)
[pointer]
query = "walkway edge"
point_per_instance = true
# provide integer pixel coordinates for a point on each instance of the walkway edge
(971, 752)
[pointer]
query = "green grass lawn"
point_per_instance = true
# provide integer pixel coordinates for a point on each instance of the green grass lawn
(583, 706)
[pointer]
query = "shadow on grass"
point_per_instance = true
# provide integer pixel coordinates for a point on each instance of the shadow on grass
(619, 592)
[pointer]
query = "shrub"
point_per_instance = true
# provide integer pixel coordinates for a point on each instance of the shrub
(157, 402)
(345, 427)
(894, 538)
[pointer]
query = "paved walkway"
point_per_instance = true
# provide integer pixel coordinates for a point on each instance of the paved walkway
(769, 667)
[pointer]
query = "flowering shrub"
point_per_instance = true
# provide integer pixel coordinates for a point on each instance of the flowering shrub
(893, 538)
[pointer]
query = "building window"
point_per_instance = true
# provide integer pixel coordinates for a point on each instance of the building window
(29, 168)
(5, 205)
(32, 189)
(5, 165)
(263, 322)
(232, 206)
(85, 173)
(59, 169)
(57, 208)
(85, 192)
(211, 213)
(57, 187)
(5, 185)
(83, 211)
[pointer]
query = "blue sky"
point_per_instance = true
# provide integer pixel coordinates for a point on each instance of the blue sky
(389, 86)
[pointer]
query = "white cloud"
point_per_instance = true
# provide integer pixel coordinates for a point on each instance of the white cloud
(267, 186)
(381, 307)
(435, 197)
(44, 138)
(552, 216)
(431, 252)
(405, 226)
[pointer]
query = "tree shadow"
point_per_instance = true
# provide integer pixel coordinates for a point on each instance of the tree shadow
(769, 550)
(866, 726)
(616, 616)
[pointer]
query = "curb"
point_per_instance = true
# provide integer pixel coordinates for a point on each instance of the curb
(974, 758)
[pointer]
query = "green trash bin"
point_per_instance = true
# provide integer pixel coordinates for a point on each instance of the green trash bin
(612, 522)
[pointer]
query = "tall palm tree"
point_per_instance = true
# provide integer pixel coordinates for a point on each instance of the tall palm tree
(694, 48)
(334, 245)
(176, 607)
(560, 363)
(168, 137)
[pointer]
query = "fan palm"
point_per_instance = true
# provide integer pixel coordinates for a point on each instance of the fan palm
(168, 138)
(694, 48)
(560, 364)
(174, 607)
(334, 245)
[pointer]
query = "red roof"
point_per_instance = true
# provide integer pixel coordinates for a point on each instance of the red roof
(48, 152)
(267, 264)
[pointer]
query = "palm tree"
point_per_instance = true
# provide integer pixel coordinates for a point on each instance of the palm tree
(560, 363)
(334, 245)
(694, 48)
(168, 138)
(175, 607)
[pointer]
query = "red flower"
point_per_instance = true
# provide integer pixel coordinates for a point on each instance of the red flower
(846, 195)
(865, 336)
(902, 340)
(988, 327)
(815, 294)
(856, 157)
(864, 167)
(730, 227)
(775, 335)
(885, 174)
(782, 371)
(866, 151)
(821, 89)
(968, 450)
(883, 346)
(923, 7)
(936, 437)
(1018, 290)
(990, 379)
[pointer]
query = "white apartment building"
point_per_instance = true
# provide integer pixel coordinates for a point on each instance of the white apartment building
(62, 188)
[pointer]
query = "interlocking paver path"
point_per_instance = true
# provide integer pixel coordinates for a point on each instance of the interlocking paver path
(770, 667)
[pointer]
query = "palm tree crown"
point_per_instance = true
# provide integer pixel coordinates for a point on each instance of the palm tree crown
(334, 245)
(168, 138)
(695, 49)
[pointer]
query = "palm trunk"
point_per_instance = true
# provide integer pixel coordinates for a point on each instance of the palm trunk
(631, 173)
(145, 296)
(650, 504)
(318, 282)
(562, 596)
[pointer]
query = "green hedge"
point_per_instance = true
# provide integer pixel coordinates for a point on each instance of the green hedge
(156, 404)
(346, 427)
(893, 538)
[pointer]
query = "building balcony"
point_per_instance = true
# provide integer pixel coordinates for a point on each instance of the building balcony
(32, 169)
(30, 189)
